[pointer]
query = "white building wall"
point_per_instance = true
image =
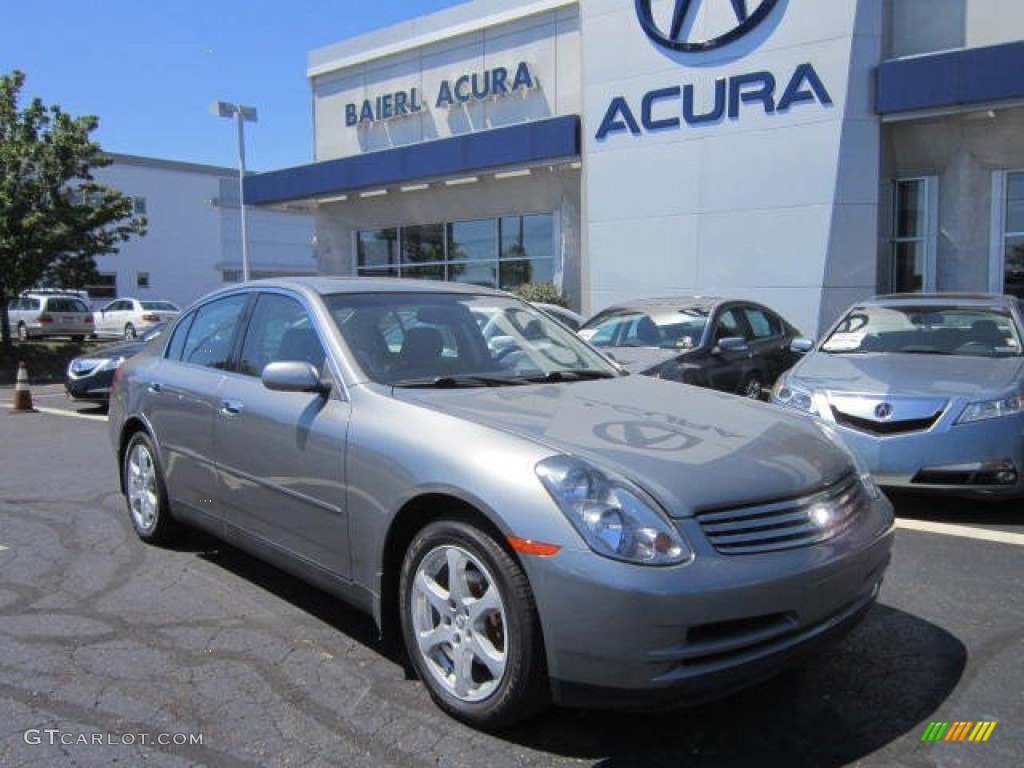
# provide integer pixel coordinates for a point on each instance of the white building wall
(363, 69)
(777, 207)
(194, 230)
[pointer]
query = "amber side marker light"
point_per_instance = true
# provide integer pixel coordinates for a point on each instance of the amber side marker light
(527, 547)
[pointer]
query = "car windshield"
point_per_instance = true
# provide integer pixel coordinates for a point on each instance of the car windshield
(455, 339)
(665, 327)
(926, 329)
(163, 306)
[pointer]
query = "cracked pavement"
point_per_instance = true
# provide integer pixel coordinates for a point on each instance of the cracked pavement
(100, 634)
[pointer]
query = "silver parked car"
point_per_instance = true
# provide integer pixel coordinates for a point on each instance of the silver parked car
(534, 523)
(927, 388)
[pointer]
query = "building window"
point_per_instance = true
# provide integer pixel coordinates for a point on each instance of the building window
(1012, 240)
(232, 275)
(105, 286)
(503, 252)
(142, 279)
(915, 214)
(138, 205)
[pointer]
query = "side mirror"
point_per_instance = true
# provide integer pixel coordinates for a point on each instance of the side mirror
(731, 344)
(801, 346)
(293, 376)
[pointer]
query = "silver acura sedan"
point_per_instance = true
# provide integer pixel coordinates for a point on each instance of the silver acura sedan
(534, 523)
(926, 388)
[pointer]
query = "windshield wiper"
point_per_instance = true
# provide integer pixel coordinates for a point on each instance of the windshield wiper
(571, 374)
(454, 382)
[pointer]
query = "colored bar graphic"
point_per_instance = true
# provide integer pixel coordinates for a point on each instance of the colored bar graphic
(982, 730)
(959, 730)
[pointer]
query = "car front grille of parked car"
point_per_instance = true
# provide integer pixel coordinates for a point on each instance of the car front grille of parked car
(873, 427)
(784, 524)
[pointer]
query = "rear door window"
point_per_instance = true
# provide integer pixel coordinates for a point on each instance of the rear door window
(212, 333)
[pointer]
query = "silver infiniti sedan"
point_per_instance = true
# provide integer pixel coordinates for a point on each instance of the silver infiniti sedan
(535, 524)
(926, 388)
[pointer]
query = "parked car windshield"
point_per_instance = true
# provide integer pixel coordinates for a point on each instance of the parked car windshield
(667, 327)
(926, 329)
(453, 339)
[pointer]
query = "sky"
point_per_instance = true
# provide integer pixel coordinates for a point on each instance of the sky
(149, 69)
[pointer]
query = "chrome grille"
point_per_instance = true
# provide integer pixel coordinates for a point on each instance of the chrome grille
(784, 524)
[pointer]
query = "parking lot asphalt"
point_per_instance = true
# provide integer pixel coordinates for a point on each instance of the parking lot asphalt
(112, 652)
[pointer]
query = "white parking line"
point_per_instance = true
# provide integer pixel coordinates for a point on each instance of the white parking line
(74, 414)
(964, 531)
(2, 547)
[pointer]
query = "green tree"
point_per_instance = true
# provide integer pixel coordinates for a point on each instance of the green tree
(54, 217)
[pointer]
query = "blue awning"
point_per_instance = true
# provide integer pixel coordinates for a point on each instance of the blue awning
(556, 138)
(951, 79)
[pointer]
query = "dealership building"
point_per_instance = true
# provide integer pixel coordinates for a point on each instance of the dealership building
(802, 153)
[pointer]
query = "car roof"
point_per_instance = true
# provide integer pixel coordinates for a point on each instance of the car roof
(670, 302)
(329, 285)
(943, 299)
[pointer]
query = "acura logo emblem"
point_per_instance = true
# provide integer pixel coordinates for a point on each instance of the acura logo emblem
(883, 411)
(677, 36)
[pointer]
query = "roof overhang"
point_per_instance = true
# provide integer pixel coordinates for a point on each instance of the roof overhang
(951, 82)
(553, 140)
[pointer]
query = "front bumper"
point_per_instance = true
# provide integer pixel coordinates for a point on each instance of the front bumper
(949, 458)
(630, 636)
(93, 386)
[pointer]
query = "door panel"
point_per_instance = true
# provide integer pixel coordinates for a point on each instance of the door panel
(282, 454)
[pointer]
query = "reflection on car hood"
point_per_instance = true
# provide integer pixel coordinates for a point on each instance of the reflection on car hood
(641, 359)
(911, 374)
(124, 349)
(692, 448)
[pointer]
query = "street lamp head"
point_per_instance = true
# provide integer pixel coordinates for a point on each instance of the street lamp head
(227, 109)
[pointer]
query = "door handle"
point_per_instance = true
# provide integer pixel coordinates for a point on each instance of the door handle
(155, 387)
(231, 407)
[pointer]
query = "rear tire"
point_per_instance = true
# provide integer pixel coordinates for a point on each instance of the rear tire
(129, 332)
(22, 332)
(470, 626)
(146, 493)
(752, 387)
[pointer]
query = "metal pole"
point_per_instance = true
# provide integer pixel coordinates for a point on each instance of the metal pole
(241, 191)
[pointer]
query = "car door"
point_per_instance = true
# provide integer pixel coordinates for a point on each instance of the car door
(106, 319)
(281, 455)
(768, 341)
(182, 397)
(727, 369)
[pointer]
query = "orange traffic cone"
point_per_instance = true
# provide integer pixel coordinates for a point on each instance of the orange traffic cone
(22, 395)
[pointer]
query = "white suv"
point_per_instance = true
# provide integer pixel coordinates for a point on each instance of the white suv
(130, 317)
(36, 314)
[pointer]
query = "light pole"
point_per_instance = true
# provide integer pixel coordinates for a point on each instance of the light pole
(241, 114)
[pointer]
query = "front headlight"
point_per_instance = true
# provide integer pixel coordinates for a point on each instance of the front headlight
(792, 396)
(990, 409)
(112, 363)
(615, 517)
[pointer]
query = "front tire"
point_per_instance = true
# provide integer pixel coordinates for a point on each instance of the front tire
(470, 626)
(146, 493)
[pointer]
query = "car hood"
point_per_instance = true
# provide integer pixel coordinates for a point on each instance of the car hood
(125, 349)
(641, 359)
(910, 374)
(691, 448)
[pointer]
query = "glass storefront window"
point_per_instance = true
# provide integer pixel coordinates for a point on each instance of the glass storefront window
(501, 252)
(1013, 235)
(377, 249)
(914, 206)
